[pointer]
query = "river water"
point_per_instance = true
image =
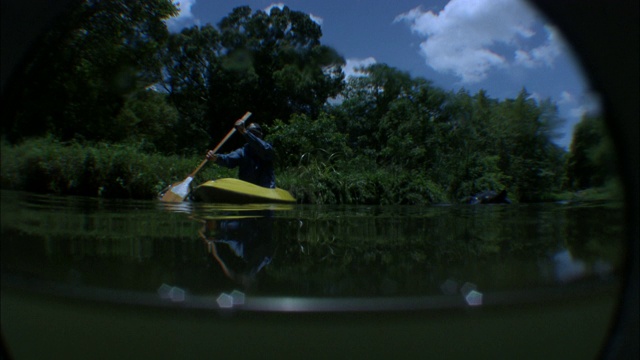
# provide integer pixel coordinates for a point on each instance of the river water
(237, 260)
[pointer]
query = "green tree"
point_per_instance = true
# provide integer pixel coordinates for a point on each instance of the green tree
(591, 161)
(190, 59)
(527, 154)
(149, 121)
(302, 138)
(83, 70)
(273, 65)
(384, 110)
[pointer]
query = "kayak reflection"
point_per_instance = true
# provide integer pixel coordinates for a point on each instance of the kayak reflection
(242, 245)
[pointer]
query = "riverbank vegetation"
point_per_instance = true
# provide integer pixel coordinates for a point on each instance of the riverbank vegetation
(111, 104)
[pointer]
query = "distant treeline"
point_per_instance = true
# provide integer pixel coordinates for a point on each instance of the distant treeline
(109, 77)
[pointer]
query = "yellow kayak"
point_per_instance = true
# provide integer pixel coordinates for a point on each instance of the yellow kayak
(234, 191)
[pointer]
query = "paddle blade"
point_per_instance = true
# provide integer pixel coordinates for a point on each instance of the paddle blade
(178, 191)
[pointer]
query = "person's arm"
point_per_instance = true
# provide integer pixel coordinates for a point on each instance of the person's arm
(262, 148)
(229, 160)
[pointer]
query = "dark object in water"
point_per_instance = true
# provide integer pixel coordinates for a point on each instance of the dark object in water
(489, 197)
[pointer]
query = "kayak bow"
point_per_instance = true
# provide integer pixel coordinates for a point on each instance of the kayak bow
(235, 191)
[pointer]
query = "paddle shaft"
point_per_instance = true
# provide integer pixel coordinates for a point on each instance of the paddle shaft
(178, 191)
(224, 140)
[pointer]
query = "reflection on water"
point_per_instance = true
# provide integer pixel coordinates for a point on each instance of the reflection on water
(247, 256)
(242, 245)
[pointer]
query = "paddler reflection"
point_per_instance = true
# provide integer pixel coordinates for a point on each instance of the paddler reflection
(242, 245)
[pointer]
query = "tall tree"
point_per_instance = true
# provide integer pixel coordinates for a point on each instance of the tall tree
(273, 65)
(527, 153)
(591, 161)
(87, 65)
(367, 101)
(190, 60)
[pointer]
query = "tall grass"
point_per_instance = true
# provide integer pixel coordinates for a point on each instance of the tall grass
(105, 170)
(357, 181)
(46, 165)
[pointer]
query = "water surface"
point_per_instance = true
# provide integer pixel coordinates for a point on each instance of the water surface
(86, 278)
(216, 255)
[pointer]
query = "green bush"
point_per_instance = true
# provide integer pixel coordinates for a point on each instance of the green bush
(45, 165)
(302, 138)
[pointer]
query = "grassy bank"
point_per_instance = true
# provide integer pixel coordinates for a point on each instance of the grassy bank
(102, 170)
(125, 171)
(611, 190)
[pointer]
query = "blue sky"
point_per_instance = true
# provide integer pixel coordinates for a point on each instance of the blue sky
(500, 46)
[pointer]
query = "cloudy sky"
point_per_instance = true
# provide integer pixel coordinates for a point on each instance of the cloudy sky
(500, 46)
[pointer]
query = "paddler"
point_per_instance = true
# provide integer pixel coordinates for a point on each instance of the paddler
(254, 160)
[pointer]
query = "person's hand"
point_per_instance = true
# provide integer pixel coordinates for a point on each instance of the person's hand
(211, 156)
(240, 126)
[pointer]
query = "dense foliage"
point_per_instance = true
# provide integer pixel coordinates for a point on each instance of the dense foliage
(111, 77)
(86, 68)
(104, 170)
(272, 64)
(592, 159)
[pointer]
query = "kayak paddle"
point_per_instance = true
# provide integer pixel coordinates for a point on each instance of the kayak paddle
(178, 191)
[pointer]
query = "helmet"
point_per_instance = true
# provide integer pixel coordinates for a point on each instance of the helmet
(255, 129)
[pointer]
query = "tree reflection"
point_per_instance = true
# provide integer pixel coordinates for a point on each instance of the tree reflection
(242, 245)
(310, 250)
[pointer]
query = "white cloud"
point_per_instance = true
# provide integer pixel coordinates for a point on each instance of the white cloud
(318, 20)
(585, 108)
(589, 103)
(524, 58)
(536, 97)
(565, 98)
(352, 66)
(543, 55)
(573, 107)
(185, 17)
(463, 37)
(274, 5)
(578, 112)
